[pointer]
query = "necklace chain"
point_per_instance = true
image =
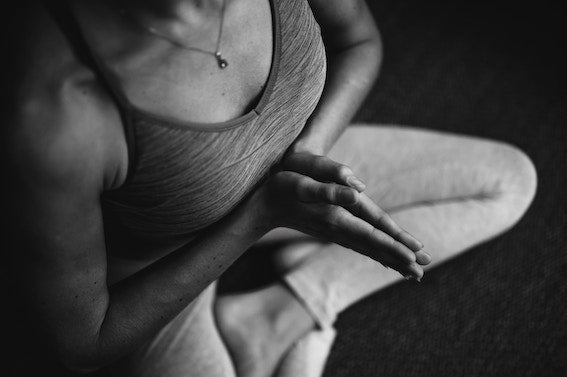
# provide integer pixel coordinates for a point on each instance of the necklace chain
(221, 61)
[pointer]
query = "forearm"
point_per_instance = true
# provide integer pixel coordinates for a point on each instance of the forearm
(139, 306)
(351, 74)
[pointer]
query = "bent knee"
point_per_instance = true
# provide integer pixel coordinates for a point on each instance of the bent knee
(521, 173)
(519, 183)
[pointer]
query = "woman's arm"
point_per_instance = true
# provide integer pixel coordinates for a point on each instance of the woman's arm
(354, 52)
(59, 166)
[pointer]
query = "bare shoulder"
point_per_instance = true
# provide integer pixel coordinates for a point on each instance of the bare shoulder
(60, 123)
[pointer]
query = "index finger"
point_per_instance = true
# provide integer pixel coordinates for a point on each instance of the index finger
(323, 169)
(354, 233)
(367, 210)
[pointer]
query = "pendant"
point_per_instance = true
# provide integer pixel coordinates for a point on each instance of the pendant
(220, 60)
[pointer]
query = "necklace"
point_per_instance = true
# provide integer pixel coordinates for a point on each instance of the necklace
(221, 62)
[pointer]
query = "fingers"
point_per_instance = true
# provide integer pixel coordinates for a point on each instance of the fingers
(363, 214)
(323, 169)
(423, 258)
(366, 209)
(311, 191)
(355, 233)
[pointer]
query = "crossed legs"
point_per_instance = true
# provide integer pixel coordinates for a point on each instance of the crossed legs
(451, 192)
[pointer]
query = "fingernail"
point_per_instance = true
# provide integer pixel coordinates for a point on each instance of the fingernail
(423, 257)
(356, 183)
(415, 271)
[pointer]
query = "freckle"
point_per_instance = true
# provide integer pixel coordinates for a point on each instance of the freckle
(76, 296)
(180, 300)
(219, 266)
(95, 283)
(223, 94)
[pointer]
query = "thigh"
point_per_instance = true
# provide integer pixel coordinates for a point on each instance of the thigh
(450, 191)
(405, 166)
(189, 345)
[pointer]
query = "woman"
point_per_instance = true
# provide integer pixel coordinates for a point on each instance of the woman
(153, 142)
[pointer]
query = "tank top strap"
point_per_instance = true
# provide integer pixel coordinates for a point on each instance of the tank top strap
(63, 15)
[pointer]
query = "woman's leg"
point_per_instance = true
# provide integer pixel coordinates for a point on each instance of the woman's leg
(189, 345)
(451, 192)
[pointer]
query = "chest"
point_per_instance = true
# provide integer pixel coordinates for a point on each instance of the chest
(188, 85)
(178, 77)
(184, 177)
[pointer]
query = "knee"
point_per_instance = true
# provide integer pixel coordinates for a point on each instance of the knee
(519, 181)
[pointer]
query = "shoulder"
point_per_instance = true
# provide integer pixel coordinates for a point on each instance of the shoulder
(59, 123)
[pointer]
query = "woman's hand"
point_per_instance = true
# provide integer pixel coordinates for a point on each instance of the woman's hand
(321, 168)
(310, 200)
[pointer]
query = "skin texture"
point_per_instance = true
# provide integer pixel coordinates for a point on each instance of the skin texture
(66, 147)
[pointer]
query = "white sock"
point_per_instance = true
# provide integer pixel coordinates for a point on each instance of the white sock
(308, 356)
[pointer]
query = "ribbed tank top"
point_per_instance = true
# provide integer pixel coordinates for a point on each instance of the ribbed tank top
(183, 177)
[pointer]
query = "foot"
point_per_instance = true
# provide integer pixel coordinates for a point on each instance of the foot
(259, 327)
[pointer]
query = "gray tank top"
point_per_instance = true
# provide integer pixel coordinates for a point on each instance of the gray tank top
(183, 177)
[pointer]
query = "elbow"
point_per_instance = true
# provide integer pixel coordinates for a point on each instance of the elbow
(375, 52)
(366, 56)
(367, 62)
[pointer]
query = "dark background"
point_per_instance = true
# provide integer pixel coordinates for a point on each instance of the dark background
(495, 70)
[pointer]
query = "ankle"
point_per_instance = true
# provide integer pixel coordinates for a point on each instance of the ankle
(289, 317)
